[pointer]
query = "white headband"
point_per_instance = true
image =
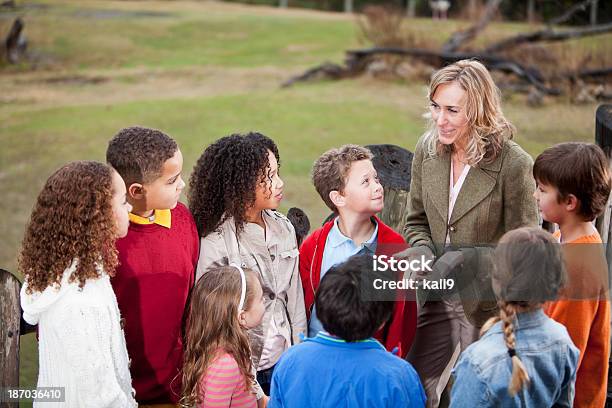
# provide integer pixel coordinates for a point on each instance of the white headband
(242, 286)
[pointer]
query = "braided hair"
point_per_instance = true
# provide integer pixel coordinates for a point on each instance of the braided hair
(528, 271)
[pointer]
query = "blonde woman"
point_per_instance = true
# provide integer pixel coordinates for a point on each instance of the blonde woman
(470, 184)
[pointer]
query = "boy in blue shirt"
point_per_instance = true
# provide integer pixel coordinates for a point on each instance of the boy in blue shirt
(343, 365)
(348, 183)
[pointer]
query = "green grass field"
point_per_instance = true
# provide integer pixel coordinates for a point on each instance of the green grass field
(199, 71)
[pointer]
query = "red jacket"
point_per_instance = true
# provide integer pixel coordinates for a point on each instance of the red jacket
(399, 331)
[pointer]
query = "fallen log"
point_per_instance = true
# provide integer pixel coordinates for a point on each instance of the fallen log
(439, 59)
(531, 79)
(325, 70)
(357, 61)
(590, 73)
(547, 35)
(8, 4)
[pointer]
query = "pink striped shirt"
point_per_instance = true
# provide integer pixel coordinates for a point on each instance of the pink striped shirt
(223, 385)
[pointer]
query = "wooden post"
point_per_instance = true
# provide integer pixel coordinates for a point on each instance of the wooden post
(594, 6)
(411, 8)
(603, 138)
(15, 43)
(348, 6)
(300, 223)
(531, 11)
(10, 312)
(396, 205)
(394, 165)
(473, 6)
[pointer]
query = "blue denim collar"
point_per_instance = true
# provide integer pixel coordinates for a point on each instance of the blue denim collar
(526, 320)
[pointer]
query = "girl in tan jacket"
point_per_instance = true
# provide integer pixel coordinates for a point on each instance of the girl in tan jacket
(234, 191)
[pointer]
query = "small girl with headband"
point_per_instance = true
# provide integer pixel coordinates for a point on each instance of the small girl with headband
(217, 368)
(524, 358)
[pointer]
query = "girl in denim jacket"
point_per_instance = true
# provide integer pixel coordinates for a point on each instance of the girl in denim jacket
(524, 358)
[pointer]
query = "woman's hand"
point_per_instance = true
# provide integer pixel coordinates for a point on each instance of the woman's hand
(422, 253)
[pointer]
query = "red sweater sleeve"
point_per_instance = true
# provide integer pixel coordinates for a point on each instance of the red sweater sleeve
(400, 330)
(306, 254)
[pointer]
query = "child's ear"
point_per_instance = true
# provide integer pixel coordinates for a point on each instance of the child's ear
(136, 191)
(242, 318)
(337, 198)
(571, 203)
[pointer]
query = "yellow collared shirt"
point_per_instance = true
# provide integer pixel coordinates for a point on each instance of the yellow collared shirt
(162, 217)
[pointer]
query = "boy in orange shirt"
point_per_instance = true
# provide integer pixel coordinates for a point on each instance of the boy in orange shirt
(573, 188)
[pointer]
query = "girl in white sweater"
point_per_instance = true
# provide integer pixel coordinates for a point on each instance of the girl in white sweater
(67, 255)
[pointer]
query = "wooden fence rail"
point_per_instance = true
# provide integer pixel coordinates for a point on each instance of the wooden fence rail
(10, 314)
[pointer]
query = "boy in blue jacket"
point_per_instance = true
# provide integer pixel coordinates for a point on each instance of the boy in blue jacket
(343, 365)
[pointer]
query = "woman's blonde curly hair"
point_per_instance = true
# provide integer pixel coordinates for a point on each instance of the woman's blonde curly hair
(488, 128)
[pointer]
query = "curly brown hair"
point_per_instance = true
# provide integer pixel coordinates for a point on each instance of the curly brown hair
(225, 178)
(71, 220)
(330, 171)
(213, 324)
(139, 153)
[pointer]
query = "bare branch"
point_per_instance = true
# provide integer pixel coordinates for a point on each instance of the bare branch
(570, 12)
(461, 37)
(548, 35)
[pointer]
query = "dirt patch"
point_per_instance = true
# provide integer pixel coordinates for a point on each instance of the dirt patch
(120, 14)
(118, 86)
(74, 80)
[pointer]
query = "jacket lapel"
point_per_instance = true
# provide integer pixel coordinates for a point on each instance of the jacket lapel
(437, 172)
(477, 186)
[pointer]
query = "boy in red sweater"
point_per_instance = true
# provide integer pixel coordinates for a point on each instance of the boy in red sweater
(573, 188)
(347, 182)
(157, 260)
